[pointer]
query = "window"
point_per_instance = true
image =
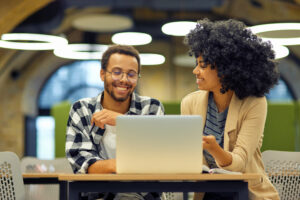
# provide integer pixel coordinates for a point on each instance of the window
(280, 93)
(71, 82)
(45, 137)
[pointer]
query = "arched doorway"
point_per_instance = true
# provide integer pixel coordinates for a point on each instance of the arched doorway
(70, 82)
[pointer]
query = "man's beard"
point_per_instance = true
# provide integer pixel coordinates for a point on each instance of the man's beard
(111, 93)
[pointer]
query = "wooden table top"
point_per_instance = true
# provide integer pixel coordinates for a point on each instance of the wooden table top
(40, 175)
(158, 177)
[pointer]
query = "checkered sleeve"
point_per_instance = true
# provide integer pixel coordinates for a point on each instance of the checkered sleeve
(156, 107)
(80, 149)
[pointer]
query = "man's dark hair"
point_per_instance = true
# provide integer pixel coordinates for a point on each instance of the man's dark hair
(245, 63)
(121, 49)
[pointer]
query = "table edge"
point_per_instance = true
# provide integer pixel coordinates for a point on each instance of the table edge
(159, 177)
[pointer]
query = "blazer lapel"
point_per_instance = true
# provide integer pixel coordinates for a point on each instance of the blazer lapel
(202, 107)
(232, 119)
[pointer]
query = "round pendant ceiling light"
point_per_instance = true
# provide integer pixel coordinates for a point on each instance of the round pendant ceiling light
(102, 23)
(285, 31)
(81, 51)
(31, 41)
(95, 51)
(131, 38)
(180, 28)
(151, 59)
(184, 60)
(280, 51)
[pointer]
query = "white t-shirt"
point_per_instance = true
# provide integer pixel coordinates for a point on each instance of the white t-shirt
(109, 141)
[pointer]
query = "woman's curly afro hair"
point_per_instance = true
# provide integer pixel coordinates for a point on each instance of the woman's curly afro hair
(245, 63)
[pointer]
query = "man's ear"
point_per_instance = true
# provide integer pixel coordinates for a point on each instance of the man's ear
(102, 74)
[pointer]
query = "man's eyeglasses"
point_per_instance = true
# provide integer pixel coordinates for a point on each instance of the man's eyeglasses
(117, 74)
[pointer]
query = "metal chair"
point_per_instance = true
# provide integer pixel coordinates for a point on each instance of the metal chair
(177, 196)
(283, 169)
(172, 196)
(44, 191)
(11, 180)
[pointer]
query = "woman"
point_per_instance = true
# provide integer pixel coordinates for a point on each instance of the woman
(235, 69)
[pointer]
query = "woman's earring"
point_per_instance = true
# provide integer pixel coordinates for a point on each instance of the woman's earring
(222, 90)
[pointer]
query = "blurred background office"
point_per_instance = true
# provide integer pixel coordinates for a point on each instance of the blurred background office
(37, 86)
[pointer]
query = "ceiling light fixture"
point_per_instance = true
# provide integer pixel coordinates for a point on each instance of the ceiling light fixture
(33, 41)
(102, 22)
(278, 27)
(131, 38)
(180, 28)
(151, 59)
(184, 60)
(280, 51)
(81, 51)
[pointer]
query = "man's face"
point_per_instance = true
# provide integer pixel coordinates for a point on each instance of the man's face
(120, 90)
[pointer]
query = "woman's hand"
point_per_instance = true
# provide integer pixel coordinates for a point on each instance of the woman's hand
(210, 144)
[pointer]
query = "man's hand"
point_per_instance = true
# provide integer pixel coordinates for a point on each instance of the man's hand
(103, 167)
(104, 117)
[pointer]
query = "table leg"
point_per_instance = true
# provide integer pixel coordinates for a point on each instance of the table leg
(242, 192)
(74, 190)
(63, 190)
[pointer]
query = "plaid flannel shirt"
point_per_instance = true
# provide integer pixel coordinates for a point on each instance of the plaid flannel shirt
(84, 145)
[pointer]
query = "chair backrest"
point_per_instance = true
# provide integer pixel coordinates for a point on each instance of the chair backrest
(11, 180)
(60, 113)
(172, 196)
(280, 129)
(283, 169)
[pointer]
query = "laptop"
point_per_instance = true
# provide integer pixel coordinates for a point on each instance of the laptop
(159, 144)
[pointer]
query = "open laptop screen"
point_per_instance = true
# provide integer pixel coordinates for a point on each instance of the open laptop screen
(159, 144)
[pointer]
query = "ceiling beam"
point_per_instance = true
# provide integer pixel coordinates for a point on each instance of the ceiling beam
(260, 11)
(170, 5)
(13, 12)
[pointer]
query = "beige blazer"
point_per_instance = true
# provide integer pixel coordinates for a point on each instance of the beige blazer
(243, 137)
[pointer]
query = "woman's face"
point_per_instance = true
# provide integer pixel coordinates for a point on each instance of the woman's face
(206, 78)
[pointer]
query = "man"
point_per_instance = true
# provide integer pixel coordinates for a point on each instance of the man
(90, 142)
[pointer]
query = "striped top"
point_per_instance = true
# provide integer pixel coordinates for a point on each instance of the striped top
(214, 125)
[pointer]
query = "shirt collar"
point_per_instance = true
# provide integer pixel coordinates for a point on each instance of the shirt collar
(134, 103)
(135, 100)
